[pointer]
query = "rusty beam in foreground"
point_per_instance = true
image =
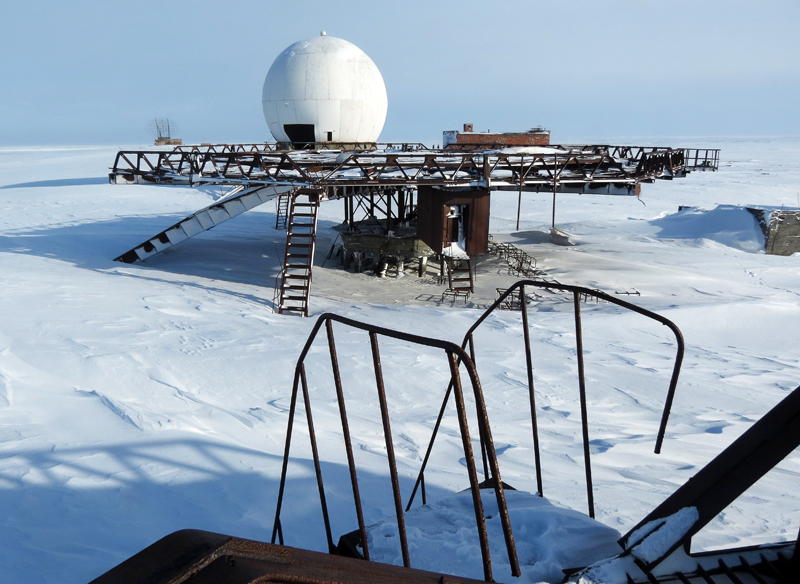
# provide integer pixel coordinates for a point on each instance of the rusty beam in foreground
(205, 558)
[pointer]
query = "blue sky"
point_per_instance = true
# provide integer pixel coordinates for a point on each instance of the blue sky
(86, 72)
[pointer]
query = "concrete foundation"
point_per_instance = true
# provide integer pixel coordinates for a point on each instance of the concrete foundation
(783, 237)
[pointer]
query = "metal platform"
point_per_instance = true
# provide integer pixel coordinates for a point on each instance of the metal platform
(579, 169)
(392, 174)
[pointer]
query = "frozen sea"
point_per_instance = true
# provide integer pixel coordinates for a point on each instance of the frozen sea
(136, 400)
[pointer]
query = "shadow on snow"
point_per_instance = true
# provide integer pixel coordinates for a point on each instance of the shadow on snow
(98, 505)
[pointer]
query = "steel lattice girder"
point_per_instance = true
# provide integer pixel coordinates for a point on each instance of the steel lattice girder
(576, 167)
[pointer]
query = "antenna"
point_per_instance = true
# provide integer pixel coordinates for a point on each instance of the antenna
(163, 130)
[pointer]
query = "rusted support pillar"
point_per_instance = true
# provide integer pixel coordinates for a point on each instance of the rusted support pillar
(423, 266)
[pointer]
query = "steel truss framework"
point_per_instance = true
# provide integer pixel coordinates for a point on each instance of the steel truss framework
(590, 169)
(361, 204)
(382, 177)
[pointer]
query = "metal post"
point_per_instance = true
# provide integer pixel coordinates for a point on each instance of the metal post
(528, 362)
(420, 476)
(389, 222)
(555, 187)
(584, 415)
(315, 455)
(470, 462)
(483, 420)
(482, 437)
(387, 433)
(347, 442)
(519, 201)
(276, 526)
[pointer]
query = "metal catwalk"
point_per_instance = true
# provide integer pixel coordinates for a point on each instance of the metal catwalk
(579, 169)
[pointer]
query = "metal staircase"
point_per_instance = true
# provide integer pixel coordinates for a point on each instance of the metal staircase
(459, 278)
(282, 210)
(301, 237)
(235, 202)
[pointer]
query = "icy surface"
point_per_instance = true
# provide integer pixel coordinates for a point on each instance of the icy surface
(136, 400)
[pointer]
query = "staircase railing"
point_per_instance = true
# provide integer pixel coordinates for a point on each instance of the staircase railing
(295, 274)
(578, 293)
(457, 359)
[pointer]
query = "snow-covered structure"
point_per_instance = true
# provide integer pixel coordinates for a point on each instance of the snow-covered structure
(324, 89)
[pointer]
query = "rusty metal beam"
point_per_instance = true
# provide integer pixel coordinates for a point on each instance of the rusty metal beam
(577, 168)
(774, 437)
(202, 557)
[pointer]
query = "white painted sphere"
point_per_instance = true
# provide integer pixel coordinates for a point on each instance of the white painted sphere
(328, 84)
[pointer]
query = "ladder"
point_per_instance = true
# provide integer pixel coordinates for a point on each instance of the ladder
(459, 278)
(282, 210)
(301, 236)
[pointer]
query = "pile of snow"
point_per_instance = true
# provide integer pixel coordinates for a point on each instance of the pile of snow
(442, 537)
(729, 225)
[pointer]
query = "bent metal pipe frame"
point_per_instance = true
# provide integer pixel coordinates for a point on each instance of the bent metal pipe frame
(577, 292)
(456, 358)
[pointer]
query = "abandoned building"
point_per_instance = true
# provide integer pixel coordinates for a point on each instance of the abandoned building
(325, 104)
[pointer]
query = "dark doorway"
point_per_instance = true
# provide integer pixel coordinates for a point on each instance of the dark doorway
(300, 135)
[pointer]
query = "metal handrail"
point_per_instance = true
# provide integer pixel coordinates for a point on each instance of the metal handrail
(577, 292)
(456, 357)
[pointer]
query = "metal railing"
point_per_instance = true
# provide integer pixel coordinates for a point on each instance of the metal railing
(701, 158)
(313, 146)
(573, 168)
(457, 358)
(578, 293)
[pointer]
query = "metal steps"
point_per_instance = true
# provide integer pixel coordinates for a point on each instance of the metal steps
(459, 278)
(235, 203)
(301, 235)
(282, 210)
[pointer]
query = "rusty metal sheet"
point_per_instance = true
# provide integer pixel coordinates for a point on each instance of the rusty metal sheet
(202, 557)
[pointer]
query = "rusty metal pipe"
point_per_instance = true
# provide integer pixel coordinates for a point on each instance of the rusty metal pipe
(387, 433)
(483, 420)
(455, 355)
(483, 446)
(337, 378)
(531, 394)
(292, 404)
(587, 461)
(315, 455)
(612, 300)
(480, 517)
(420, 476)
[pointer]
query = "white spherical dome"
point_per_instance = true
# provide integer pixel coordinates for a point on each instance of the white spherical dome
(324, 89)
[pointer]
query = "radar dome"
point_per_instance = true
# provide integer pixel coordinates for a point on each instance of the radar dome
(324, 89)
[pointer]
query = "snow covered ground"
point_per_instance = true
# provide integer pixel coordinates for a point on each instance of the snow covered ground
(138, 400)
